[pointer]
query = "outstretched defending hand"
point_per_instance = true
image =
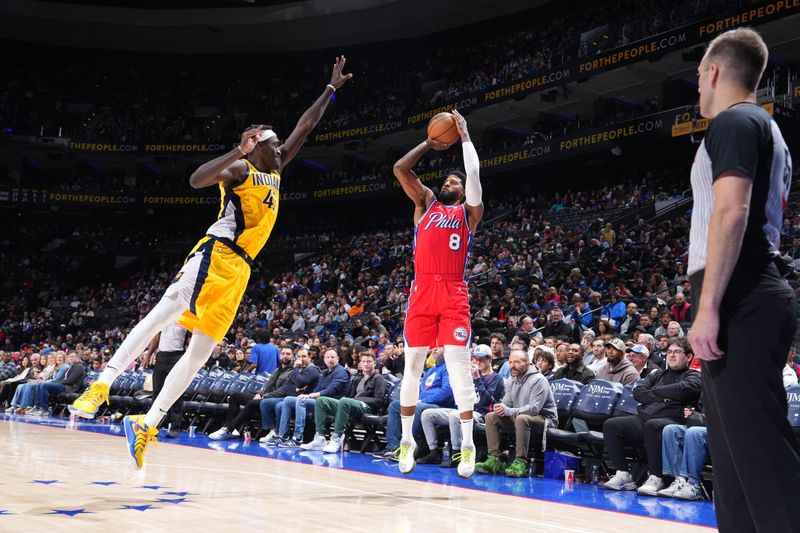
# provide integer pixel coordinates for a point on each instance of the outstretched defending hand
(337, 78)
(250, 139)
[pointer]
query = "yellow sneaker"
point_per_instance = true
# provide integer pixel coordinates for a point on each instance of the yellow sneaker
(138, 436)
(89, 402)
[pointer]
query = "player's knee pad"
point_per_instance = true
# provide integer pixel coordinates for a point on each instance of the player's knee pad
(415, 363)
(458, 367)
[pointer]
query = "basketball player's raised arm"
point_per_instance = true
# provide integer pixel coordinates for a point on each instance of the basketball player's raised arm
(226, 168)
(472, 168)
(313, 114)
(421, 195)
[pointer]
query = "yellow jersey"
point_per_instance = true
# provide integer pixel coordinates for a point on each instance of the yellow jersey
(248, 211)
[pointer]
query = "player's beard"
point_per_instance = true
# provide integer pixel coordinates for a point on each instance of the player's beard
(448, 197)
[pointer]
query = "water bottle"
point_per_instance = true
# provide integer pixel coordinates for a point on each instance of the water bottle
(446, 452)
(595, 475)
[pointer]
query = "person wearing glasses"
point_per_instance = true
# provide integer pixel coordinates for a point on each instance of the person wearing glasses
(662, 397)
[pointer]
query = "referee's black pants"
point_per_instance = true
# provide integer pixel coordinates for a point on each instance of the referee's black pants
(622, 431)
(754, 453)
(164, 363)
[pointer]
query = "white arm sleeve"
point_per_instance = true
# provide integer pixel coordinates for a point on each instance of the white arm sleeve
(472, 165)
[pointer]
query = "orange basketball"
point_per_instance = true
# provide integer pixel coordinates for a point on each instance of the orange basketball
(442, 128)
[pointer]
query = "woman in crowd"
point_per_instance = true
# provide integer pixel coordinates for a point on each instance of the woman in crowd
(24, 397)
(9, 386)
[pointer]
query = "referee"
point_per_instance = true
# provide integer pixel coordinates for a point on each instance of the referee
(746, 315)
(171, 347)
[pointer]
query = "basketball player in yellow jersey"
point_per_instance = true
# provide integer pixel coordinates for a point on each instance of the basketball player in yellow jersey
(206, 293)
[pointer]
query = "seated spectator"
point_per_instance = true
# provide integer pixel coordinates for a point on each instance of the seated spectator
(366, 396)
(789, 374)
(681, 310)
(631, 320)
(23, 398)
(218, 359)
(394, 361)
(614, 313)
(303, 379)
(684, 451)
(434, 391)
(8, 367)
(666, 319)
(597, 356)
(646, 324)
(618, 369)
(70, 382)
(333, 382)
(662, 397)
(528, 407)
(490, 389)
(8, 386)
(545, 361)
(574, 369)
(556, 327)
(639, 356)
(497, 342)
(236, 419)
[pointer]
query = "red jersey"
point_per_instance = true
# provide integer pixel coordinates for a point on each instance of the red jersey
(441, 241)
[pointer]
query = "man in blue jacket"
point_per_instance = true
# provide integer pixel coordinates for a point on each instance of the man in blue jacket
(490, 389)
(434, 391)
(333, 382)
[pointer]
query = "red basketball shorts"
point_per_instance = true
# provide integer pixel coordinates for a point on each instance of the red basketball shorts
(438, 312)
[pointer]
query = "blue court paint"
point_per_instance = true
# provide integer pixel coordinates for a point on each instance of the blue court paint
(69, 512)
(142, 508)
(698, 513)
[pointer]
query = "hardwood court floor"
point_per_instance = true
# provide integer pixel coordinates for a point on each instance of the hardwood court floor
(60, 479)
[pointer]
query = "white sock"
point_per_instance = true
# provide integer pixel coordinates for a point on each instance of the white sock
(407, 423)
(198, 352)
(167, 310)
(466, 433)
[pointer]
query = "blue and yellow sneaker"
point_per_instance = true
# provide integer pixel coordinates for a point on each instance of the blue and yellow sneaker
(138, 436)
(89, 402)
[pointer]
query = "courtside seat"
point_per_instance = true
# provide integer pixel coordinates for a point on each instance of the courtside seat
(593, 406)
(565, 392)
(627, 404)
(793, 398)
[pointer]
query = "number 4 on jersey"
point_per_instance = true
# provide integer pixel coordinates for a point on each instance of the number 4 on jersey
(269, 200)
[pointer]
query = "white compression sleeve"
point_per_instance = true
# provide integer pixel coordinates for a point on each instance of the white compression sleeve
(166, 311)
(458, 363)
(415, 364)
(198, 352)
(472, 166)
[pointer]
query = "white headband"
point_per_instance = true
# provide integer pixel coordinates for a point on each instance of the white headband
(266, 135)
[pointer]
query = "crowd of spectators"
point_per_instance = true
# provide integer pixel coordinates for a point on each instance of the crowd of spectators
(557, 292)
(129, 102)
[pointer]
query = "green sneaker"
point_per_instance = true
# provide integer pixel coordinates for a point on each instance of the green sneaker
(517, 469)
(492, 465)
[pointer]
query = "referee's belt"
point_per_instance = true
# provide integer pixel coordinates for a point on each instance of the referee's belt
(238, 250)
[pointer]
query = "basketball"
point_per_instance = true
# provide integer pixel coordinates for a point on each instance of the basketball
(442, 128)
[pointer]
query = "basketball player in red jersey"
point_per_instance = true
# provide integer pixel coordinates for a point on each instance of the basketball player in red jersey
(438, 306)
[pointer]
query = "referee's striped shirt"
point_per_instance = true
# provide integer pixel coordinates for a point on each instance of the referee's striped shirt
(747, 139)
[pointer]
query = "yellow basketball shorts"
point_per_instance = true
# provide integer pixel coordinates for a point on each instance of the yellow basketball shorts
(211, 283)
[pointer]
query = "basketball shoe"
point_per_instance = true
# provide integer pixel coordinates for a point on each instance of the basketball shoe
(138, 436)
(89, 402)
